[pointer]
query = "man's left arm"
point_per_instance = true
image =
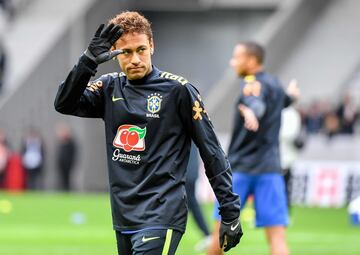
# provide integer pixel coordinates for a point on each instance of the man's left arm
(218, 170)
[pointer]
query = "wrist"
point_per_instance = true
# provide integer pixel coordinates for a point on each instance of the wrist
(88, 61)
(230, 218)
(91, 56)
(229, 221)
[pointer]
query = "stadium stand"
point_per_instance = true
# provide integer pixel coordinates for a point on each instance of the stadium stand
(45, 40)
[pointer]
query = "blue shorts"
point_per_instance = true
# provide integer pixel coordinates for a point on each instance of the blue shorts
(269, 197)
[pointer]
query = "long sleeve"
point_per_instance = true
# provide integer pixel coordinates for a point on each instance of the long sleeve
(218, 170)
(76, 96)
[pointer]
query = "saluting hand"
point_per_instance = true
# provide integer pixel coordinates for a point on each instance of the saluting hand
(100, 44)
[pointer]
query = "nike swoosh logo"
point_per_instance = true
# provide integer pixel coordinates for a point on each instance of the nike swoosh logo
(147, 239)
(232, 227)
(114, 99)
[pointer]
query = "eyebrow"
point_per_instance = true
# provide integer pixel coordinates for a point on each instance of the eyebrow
(129, 49)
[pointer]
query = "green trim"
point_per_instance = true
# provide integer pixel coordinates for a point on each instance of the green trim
(167, 242)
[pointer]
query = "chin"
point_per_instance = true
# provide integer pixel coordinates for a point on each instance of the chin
(242, 74)
(135, 76)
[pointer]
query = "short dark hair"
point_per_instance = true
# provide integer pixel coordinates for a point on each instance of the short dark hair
(256, 50)
(133, 22)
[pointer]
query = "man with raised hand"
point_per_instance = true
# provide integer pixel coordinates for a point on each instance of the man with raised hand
(150, 118)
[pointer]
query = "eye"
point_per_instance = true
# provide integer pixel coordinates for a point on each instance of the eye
(125, 52)
(141, 50)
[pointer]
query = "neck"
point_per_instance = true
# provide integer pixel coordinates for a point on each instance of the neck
(150, 69)
(143, 79)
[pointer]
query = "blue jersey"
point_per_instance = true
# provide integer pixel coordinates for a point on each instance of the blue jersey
(258, 152)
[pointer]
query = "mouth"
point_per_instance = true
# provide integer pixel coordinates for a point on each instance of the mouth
(139, 68)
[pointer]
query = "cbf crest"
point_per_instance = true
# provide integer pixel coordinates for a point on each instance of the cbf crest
(154, 105)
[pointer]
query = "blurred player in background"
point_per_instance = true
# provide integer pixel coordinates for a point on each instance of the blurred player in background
(254, 146)
(150, 118)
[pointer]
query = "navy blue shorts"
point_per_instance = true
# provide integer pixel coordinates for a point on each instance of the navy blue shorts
(269, 197)
(148, 242)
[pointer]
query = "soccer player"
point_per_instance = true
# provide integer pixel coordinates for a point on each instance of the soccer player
(254, 147)
(150, 118)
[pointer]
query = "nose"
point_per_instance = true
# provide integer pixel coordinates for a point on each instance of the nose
(135, 60)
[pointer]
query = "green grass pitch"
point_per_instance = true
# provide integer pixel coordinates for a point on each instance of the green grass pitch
(80, 224)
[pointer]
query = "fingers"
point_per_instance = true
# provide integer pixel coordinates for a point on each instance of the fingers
(114, 53)
(237, 239)
(227, 248)
(106, 56)
(115, 34)
(229, 244)
(114, 30)
(106, 31)
(222, 239)
(98, 31)
(250, 121)
(251, 124)
(111, 33)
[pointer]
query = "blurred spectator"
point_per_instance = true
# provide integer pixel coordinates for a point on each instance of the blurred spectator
(2, 65)
(331, 124)
(7, 7)
(66, 155)
(15, 173)
(347, 115)
(12, 177)
(33, 158)
(4, 16)
(291, 141)
(4, 158)
(314, 118)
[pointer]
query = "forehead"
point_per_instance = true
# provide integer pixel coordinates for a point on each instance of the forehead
(132, 40)
(240, 49)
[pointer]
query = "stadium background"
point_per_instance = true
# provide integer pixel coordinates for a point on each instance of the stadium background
(315, 41)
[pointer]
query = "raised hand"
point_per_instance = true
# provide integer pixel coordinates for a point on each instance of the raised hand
(100, 45)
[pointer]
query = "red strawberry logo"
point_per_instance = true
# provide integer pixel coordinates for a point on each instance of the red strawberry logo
(130, 138)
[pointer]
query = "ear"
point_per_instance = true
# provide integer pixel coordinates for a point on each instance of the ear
(151, 46)
(253, 61)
